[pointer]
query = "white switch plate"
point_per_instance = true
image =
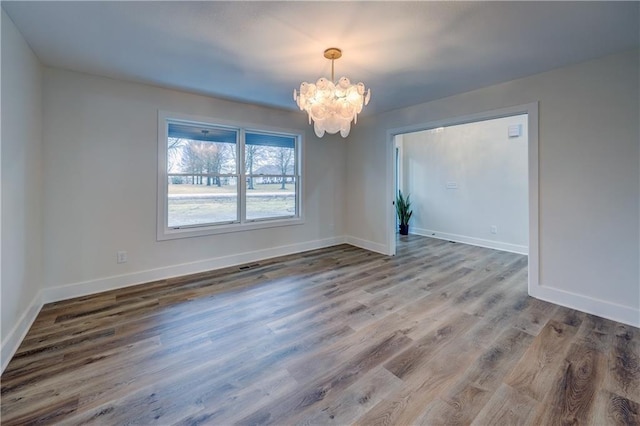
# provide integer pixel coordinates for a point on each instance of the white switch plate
(514, 130)
(452, 185)
(494, 229)
(121, 257)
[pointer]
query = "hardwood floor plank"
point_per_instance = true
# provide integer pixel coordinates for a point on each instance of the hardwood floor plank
(423, 350)
(507, 407)
(541, 365)
(572, 399)
(613, 409)
(459, 409)
(596, 333)
(45, 414)
(441, 333)
(236, 404)
(624, 363)
(473, 389)
(569, 316)
(342, 351)
(345, 407)
(427, 368)
(534, 316)
(503, 291)
(334, 381)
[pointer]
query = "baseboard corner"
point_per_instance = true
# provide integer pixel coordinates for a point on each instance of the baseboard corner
(12, 341)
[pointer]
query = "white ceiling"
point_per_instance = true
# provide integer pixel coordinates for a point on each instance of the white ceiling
(258, 52)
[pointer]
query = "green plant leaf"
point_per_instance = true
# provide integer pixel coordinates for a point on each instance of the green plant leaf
(403, 206)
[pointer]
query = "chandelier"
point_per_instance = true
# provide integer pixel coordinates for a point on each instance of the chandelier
(332, 105)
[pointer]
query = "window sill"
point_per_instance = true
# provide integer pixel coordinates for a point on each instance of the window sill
(201, 231)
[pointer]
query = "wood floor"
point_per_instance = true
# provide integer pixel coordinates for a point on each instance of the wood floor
(442, 333)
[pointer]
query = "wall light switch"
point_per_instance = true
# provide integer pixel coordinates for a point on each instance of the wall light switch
(514, 130)
(121, 257)
(494, 229)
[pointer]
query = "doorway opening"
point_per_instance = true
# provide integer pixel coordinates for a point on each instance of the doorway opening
(473, 178)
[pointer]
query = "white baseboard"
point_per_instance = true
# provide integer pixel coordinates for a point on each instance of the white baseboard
(85, 288)
(11, 343)
(367, 245)
(497, 245)
(600, 308)
(13, 340)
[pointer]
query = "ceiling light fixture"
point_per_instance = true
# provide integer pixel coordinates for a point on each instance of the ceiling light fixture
(332, 106)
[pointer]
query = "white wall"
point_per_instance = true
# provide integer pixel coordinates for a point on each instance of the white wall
(589, 178)
(21, 170)
(464, 179)
(100, 186)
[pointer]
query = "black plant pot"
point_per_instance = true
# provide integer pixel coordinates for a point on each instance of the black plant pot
(404, 229)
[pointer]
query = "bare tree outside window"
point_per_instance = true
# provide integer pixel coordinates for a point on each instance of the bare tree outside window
(203, 176)
(253, 154)
(284, 159)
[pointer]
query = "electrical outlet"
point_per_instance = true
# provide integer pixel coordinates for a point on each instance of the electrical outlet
(121, 257)
(494, 229)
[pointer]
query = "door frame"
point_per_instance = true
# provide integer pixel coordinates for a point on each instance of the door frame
(531, 109)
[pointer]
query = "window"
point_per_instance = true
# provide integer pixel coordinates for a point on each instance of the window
(271, 180)
(216, 178)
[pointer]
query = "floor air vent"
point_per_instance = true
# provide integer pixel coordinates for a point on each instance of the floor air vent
(245, 267)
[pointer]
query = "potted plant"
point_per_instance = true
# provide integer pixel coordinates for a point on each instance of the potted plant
(403, 208)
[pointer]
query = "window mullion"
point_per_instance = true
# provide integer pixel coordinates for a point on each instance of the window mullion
(242, 184)
(298, 167)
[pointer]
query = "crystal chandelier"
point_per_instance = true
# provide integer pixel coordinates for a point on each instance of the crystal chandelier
(332, 106)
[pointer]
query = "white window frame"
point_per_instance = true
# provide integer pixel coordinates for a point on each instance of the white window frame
(164, 232)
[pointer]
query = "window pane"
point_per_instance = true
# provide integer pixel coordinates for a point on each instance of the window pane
(201, 149)
(267, 154)
(198, 200)
(270, 197)
(200, 157)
